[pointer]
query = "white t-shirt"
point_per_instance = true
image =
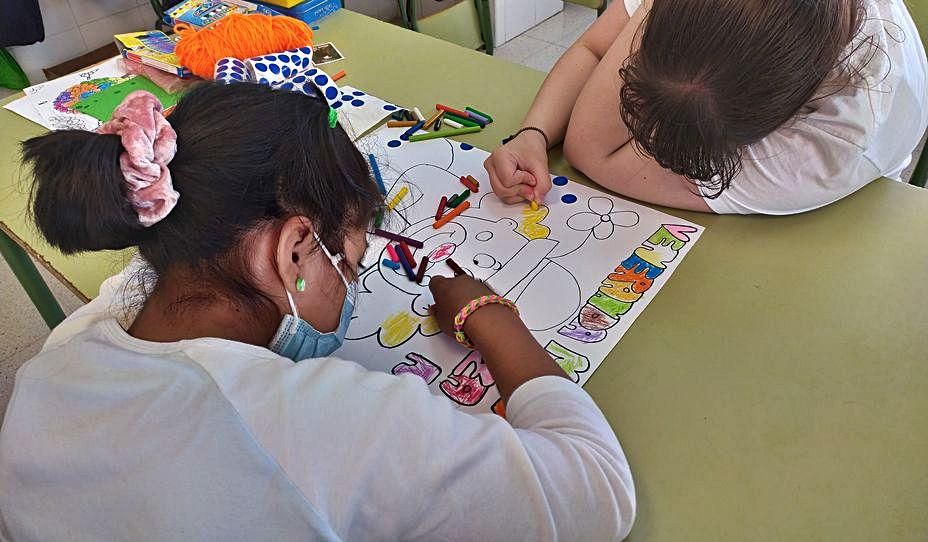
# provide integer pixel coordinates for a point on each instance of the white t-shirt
(108, 437)
(864, 132)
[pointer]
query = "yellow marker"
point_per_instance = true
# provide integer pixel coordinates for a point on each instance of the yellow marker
(534, 205)
(398, 198)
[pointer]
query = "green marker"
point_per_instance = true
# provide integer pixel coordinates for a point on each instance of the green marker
(445, 133)
(482, 114)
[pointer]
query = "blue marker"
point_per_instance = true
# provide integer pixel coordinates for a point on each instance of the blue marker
(406, 265)
(412, 130)
(390, 263)
(377, 177)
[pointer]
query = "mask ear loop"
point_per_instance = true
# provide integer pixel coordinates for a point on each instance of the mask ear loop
(335, 260)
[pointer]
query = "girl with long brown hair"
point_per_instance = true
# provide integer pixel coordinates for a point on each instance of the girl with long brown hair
(729, 106)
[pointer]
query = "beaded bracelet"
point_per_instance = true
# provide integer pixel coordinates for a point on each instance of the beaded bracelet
(469, 309)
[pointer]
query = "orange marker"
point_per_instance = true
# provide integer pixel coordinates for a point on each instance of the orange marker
(434, 118)
(338, 75)
(451, 214)
(474, 185)
(400, 123)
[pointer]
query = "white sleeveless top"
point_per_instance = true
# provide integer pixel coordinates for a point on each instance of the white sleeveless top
(864, 132)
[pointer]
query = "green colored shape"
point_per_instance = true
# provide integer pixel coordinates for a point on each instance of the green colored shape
(101, 105)
(612, 307)
(572, 362)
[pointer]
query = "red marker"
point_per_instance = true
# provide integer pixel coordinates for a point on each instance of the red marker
(422, 265)
(408, 253)
(454, 267)
(453, 111)
(441, 208)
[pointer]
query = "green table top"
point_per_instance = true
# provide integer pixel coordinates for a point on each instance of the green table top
(776, 389)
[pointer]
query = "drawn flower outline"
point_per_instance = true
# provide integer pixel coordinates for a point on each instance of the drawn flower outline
(601, 219)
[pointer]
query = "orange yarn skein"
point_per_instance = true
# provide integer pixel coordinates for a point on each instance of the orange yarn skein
(240, 36)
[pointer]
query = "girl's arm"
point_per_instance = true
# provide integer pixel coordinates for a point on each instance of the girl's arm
(599, 144)
(516, 167)
(511, 353)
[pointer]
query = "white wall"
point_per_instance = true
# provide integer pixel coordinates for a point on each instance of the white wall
(75, 27)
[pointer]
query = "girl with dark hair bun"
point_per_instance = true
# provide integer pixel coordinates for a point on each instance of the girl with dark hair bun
(729, 106)
(196, 398)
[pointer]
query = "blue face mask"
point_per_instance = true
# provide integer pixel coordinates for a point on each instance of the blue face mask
(298, 340)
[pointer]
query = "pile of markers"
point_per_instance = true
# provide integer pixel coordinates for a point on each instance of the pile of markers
(463, 122)
(400, 253)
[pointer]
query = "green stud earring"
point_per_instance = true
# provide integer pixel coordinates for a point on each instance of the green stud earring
(300, 284)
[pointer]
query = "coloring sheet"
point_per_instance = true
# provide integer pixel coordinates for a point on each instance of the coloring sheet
(55, 101)
(581, 268)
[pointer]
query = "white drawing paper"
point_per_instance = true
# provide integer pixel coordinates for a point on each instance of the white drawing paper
(581, 268)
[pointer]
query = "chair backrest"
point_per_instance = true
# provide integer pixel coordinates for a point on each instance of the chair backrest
(458, 24)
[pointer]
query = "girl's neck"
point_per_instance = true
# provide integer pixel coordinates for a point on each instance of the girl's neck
(175, 313)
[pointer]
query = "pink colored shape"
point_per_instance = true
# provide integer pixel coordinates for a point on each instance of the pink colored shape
(680, 231)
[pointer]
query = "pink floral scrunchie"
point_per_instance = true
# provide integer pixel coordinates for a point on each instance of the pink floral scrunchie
(150, 143)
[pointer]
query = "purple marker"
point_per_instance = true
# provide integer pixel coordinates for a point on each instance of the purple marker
(479, 119)
(406, 265)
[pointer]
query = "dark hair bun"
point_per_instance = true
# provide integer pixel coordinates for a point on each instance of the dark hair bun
(79, 195)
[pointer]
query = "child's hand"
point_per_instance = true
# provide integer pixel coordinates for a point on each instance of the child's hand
(519, 169)
(451, 295)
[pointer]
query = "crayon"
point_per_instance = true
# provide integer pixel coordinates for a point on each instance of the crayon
(481, 113)
(404, 248)
(469, 184)
(475, 182)
(415, 128)
(407, 115)
(433, 119)
(451, 199)
(391, 264)
(400, 123)
(398, 198)
(441, 208)
(534, 205)
(378, 220)
(454, 267)
(377, 177)
(453, 111)
(406, 266)
(479, 119)
(339, 75)
(419, 116)
(421, 273)
(439, 123)
(451, 123)
(460, 120)
(398, 238)
(451, 214)
(444, 133)
(398, 115)
(392, 253)
(463, 196)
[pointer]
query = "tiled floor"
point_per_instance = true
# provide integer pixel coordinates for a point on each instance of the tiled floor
(540, 47)
(23, 331)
